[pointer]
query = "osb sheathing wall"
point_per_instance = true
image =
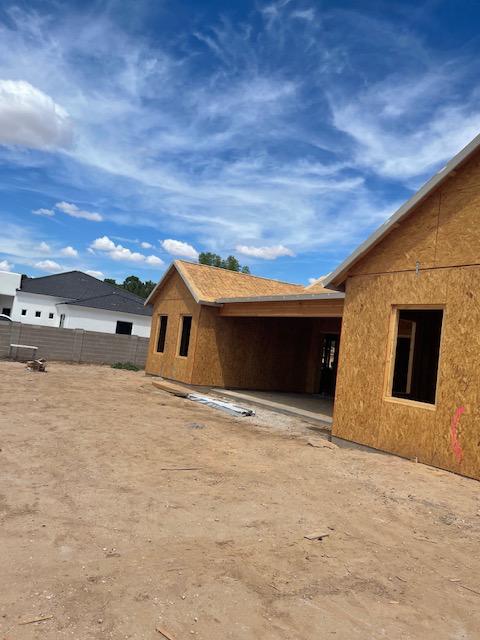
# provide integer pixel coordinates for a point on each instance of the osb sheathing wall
(174, 301)
(444, 232)
(275, 354)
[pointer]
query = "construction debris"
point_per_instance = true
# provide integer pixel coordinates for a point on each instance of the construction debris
(180, 468)
(164, 633)
(40, 619)
(184, 392)
(229, 407)
(322, 443)
(316, 536)
(37, 365)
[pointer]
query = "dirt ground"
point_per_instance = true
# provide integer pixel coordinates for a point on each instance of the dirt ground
(101, 535)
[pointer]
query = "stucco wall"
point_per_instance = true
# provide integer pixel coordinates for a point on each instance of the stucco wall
(34, 302)
(9, 282)
(75, 317)
(103, 320)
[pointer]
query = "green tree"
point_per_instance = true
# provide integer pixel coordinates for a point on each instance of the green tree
(214, 260)
(134, 285)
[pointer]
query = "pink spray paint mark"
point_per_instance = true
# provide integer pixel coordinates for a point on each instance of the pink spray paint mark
(456, 446)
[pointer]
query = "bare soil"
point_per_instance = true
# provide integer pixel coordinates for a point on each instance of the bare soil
(100, 532)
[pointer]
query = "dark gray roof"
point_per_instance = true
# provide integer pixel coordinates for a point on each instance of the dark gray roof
(114, 301)
(86, 291)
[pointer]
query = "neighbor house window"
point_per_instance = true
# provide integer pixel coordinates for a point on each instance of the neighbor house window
(124, 328)
(185, 337)
(162, 333)
(50, 315)
(24, 312)
(6, 311)
(62, 320)
(38, 314)
(416, 354)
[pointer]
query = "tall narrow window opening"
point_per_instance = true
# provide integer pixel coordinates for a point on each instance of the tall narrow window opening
(185, 337)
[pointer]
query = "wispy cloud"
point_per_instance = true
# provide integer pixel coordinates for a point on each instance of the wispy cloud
(266, 253)
(43, 247)
(73, 211)
(44, 212)
(286, 128)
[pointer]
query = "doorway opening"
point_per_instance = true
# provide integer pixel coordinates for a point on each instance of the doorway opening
(329, 365)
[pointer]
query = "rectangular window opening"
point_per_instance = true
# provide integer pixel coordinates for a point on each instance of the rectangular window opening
(162, 333)
(417, 351)
(24, 312)
(50, 315)
(38, 314)
(62, 320)
(185, 339)
(124, 328)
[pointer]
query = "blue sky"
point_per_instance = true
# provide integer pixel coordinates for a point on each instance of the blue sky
(132, 133)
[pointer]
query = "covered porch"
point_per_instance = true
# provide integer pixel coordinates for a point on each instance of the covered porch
(280, 349)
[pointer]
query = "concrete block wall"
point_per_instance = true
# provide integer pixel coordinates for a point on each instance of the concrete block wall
(72, 345)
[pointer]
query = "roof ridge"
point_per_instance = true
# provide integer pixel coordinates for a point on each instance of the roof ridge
(111, 293)
(239, 273)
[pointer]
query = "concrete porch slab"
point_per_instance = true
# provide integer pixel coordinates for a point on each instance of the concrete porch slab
(308, 407)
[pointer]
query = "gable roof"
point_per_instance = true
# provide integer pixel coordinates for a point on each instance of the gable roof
(209, 285)
(336, 279)
(78, 288)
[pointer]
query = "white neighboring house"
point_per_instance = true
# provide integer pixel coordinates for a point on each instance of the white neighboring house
(9, 283)
(75, 300)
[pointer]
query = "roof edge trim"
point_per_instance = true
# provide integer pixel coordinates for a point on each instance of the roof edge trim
(336, 279)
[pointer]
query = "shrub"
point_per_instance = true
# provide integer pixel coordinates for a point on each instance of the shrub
(129, 366)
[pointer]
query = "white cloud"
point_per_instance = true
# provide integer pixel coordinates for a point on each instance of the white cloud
(95, 274)
(125, 255)
(266, 253)
(30, 118)
(73, 211)
(48, 265)
(44, 212)
(264, 167)
(154, 261)
(178, 248)
(70, 252)
(146, 245)
(5, 265)
(103, 244)
(44, 247)
(121, 253)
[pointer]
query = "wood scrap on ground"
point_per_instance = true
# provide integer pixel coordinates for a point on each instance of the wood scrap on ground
(40, 619)
(164, 633)
(169, 387)
(180, 468)
(316, 536)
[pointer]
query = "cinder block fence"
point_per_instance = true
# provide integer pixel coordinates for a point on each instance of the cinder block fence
(72, 345)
